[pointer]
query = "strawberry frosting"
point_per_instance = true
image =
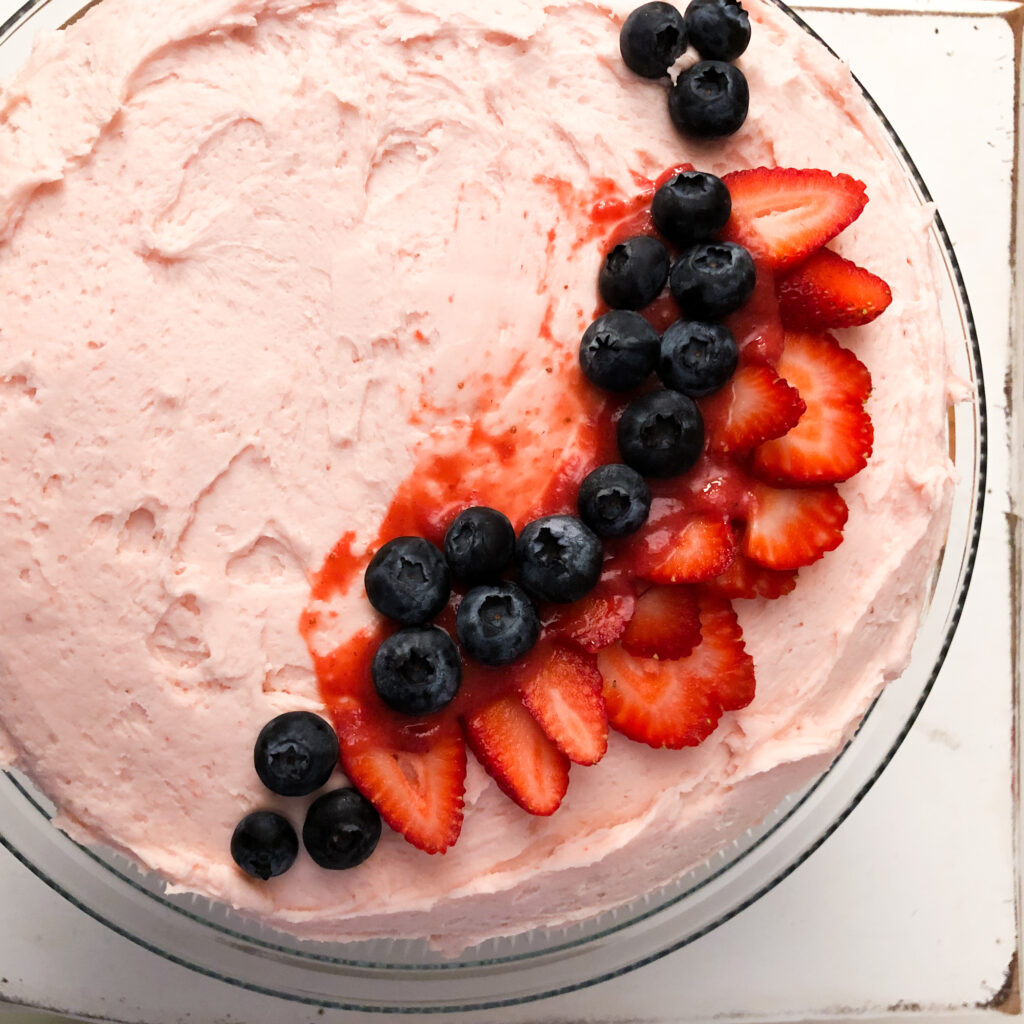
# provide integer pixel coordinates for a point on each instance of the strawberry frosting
(259, 259)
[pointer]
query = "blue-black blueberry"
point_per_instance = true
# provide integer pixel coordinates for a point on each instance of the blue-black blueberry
(712, 279)
(619, 350)
(497, 623)
(408, 581)
(479, 544)
(264, 844)
(717, 29)
(661, 433)
(295, 753)
(417, 670)
(614, 500)
(633, 273)
(697, 357)
(652, 39)
(691, 206)
(560, 558)
(341, 830)
(709, 100)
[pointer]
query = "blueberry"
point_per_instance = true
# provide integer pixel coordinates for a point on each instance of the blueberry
(712, 279)
(264, 844)
(619, 350)
(718, 29)
(497, 623)
(709, 100)
(633, 273)
(407, 580)
(614, 501)
(697, 358)
(691, 206)
(661, 433)
(479, 544)
(295, 753)
(341, 829)
(559, 558)
(652, 39)
(417, 670)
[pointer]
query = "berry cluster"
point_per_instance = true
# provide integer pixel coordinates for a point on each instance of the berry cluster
(295, 755)
(711, 98)
(661, 433)
(417, 670)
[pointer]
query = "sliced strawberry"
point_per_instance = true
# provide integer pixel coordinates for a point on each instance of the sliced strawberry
(721, 658)
(678, 547)
(638, 223)
(782, 214)
(563, 694)
(756, 325)
(833, 439)
(597, 620)
(747, 579)
(827, 291)
(666, 623)
(516, 753)
(753, 406)
(679, 703)
(787, 529)
(415, 778)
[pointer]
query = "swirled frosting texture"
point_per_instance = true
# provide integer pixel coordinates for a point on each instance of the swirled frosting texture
(254, 255)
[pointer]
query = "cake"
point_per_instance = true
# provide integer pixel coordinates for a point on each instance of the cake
(264, 264)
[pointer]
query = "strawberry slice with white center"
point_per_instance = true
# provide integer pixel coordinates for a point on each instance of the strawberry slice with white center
(676, 546)
(415, 777)
(517, 754)
(787, 529)
(597, 620)
(833, 439)
(783, 214)
(754, 406)
(563, 693)
(747, 579)
(679, 703)
(666, 623)
(827, 291)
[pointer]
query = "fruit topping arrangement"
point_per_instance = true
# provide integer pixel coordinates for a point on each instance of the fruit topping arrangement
(295, 755)
(721, 417)
(710, 98)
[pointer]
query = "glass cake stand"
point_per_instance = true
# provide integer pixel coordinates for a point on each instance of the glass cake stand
(406, 975)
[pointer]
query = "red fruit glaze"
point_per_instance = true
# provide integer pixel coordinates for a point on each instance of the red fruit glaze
(757, 326)
(597, 620)
(676, 546)
(747, 579)
(666, 624)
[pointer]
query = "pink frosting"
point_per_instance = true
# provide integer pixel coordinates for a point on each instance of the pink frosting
(249, 251)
